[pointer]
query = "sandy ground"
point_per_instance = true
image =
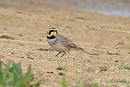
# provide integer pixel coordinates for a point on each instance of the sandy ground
(108, 36)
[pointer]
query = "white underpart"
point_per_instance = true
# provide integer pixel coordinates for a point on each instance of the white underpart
(57, 46)
(51, 41)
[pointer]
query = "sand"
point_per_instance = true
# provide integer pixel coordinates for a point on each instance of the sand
(25, 42)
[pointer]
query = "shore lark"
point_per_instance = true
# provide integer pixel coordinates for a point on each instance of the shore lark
(60, 43)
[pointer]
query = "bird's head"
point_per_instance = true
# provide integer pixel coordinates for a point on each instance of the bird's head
(52, 33)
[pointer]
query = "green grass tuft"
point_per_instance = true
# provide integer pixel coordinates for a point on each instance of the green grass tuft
(12, 76)
(96, 85)
(62, 67)
(125, 67)
(79, 83)
(64, 84)
(121, 81)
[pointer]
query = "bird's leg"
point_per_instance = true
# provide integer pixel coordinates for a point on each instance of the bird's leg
(58, 53)
(63, 54)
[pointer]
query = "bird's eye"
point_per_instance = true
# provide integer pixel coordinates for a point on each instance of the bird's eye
(56, 31)
(50, 31)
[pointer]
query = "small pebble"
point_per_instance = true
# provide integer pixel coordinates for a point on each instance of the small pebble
(30, 57)
(97, 71)
(21, 57)
(116, 61)
(49, 72)
(103, 68)
(60, 73)
(116, 43)
(59, 68)
(5, 34)
(12, 53)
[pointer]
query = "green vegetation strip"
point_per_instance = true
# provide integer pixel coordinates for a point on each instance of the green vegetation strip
(125, 67)
(79, 84)
(12, 76)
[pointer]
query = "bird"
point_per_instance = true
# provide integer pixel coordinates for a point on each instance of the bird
(60, 43)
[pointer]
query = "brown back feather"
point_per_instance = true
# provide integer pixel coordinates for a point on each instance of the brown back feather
(67, 42)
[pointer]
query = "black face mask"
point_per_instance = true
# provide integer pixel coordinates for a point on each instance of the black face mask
(52, 37)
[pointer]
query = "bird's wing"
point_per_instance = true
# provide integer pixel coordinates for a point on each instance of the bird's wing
(66, 42)
(69, 44)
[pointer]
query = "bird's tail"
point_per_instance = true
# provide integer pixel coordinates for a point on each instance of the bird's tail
(81, 49)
